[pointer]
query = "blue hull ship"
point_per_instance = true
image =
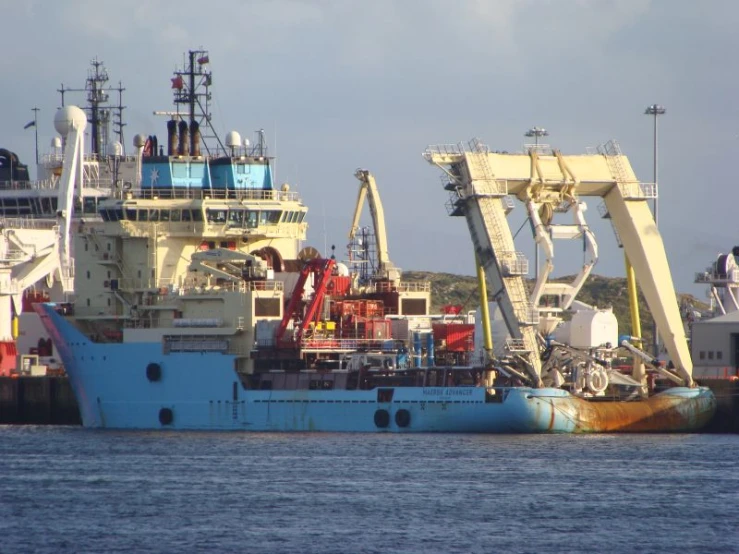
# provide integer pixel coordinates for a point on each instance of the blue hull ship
(197, 307)
(117, 388)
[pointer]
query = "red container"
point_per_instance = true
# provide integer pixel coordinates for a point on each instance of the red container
(455, 337)
(339, 285)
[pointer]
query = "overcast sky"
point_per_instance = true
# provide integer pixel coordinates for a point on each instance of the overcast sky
(344, 84)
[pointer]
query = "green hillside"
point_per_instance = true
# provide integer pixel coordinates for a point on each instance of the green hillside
(602, 292)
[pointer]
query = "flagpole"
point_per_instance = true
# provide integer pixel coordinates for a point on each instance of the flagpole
(35, 128)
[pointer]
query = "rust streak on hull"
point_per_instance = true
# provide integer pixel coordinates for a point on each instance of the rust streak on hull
(661, 413)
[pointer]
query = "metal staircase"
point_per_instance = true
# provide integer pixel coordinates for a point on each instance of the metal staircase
(504, 266)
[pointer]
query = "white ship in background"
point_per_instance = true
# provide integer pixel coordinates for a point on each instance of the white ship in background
(714, 333)
(37, 236)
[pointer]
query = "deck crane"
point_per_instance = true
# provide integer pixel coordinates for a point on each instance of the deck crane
(322, 270)
(368, 189)
(70, 122)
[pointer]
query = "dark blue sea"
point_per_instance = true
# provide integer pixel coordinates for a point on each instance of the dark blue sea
(67, 489)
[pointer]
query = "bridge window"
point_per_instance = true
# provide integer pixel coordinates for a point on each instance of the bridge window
(163, 215)
(9, 206)
(252, 219)
(216, 216)
(153, 215)
(236, 218)
(719, 355)
(35, 206)
(130, 214)
(143, 215)
(175, 215)
(104, 215)
(271, 217)
(24, 206)
(302, 216)
(197, 215)
(46, 206)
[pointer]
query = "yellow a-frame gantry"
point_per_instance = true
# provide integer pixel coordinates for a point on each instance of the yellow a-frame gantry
(479, 181)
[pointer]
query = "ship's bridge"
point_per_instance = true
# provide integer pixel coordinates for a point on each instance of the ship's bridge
(210, 212)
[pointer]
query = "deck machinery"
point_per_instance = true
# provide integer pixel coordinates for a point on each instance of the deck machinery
(482, 186)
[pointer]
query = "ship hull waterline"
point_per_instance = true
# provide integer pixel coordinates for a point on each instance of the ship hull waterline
(201, 391)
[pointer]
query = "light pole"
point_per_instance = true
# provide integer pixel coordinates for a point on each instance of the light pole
(536, 132)
(655, 110)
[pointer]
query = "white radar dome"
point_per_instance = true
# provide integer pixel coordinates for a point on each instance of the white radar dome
(56, 142)
(285, 187)
(233, 139)
(115, 149)
(139, 141)
(68, 118)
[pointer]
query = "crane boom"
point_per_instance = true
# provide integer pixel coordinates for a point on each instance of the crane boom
(70, 122)
(368, 190)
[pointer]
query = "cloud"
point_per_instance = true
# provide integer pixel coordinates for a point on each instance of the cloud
(347, 82)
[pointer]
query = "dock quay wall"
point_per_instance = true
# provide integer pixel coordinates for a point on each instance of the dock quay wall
(726, 419)
(37, 401)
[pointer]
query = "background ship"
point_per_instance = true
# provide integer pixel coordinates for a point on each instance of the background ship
(36, 220)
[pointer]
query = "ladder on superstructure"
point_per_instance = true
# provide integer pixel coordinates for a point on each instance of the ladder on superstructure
(480, 191)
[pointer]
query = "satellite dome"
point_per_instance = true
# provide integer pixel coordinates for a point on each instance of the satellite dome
(56, 142)
(115, 149)
(139, 141)
(68, 118)
(233, 139)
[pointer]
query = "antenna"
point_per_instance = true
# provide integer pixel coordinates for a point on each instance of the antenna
(118, 124)
(191, 87)
(98, 111)
(35, 127)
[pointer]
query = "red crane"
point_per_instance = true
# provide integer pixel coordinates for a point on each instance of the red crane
(323, 270)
